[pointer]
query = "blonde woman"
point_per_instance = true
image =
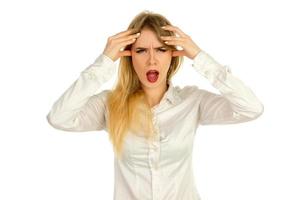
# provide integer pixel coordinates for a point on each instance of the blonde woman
(152, 123)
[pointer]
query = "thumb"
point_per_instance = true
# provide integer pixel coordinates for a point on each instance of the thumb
(125, 53)
(178, 53)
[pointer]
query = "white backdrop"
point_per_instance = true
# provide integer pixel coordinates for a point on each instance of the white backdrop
(44, 45)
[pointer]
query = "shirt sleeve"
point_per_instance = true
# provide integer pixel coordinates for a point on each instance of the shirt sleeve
(236, 102)
(79, 108)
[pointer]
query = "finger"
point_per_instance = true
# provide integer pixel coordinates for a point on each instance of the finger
(127, 42)
(174, 42)
(176, 30)
(125, 38)
(171, 38)
(123, 33)
(178, 53)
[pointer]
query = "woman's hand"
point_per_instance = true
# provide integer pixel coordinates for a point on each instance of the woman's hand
(190, 49)
(118, 41)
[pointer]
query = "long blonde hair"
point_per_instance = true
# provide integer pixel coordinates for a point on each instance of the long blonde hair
(128, 108)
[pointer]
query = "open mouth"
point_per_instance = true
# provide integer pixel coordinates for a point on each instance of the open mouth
(152, 75)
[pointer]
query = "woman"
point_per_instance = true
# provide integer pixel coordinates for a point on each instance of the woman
(151, 123)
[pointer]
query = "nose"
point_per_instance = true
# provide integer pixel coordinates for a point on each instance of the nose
(152, 59)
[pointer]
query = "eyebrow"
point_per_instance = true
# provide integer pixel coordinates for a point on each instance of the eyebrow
(154, 48)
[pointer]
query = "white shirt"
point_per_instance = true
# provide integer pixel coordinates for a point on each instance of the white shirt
(162, 169)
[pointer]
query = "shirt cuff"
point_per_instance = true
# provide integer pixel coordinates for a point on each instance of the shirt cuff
(102, 69)
(204, 64)
(104, 59)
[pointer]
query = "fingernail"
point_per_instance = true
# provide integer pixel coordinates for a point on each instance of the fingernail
(138, 34)
(166, 42)
(163, 27)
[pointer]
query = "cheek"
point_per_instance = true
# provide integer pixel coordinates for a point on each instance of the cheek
(137, 65)
(136, 57)
(166, 62)
(138, 62)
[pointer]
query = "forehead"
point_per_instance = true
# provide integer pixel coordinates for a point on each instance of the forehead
(147, 38)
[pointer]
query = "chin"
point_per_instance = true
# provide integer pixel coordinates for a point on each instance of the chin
(152, 85)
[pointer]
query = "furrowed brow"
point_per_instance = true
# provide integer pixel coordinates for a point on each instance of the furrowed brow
(154, 48)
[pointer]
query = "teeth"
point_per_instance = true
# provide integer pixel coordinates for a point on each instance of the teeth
(152, 71)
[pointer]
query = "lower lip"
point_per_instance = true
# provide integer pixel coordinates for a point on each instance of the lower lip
(152, 79)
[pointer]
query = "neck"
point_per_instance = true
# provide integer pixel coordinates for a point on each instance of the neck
(154, 95)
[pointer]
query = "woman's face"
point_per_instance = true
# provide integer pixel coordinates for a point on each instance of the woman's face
(148, 53)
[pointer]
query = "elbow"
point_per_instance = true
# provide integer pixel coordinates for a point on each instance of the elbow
(251, 114)
(257, 111)
(260, 110)
(56, 124)
(52, 122)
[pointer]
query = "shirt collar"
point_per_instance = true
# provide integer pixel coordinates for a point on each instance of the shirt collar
(171, 94)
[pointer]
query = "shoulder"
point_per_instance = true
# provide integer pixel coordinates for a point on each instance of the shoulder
(188, 90)
(192, 91)
(100, 97)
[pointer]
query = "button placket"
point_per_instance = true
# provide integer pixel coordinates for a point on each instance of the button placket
(154, 154)
(155, 145)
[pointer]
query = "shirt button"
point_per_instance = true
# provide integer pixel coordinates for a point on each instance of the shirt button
(155, 144)
(152, 150)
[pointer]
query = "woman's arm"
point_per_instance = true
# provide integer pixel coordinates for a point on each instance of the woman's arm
(237, 103)
(79, 108)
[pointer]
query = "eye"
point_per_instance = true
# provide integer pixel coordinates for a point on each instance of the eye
(138, 51)
(141, 50)
(163, 50)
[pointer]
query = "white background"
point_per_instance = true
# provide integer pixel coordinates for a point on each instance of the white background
(44, 45)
